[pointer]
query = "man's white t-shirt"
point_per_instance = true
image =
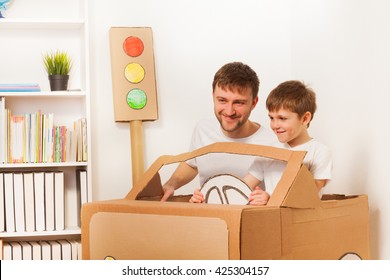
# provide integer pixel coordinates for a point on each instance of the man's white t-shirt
(318, 160)
(209, 131)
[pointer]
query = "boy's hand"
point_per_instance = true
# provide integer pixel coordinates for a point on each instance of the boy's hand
(197, 197)
(258, 197)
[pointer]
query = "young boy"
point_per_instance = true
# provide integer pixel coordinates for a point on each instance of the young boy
(291, 107)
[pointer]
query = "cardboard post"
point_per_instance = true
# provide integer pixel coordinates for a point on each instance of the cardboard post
(137, 147)
(134, 85)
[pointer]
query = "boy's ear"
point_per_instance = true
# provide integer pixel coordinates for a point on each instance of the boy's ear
(307, 118)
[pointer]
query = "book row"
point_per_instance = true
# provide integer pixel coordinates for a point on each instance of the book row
(42, 250)
(34, 138)
(35, 202)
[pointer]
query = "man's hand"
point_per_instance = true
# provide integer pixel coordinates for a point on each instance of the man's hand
(183, 174)
(168, 192)
(258, 197)
(197, 197)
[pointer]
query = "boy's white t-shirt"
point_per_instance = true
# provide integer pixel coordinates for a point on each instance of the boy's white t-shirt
(318, 160)
(209, 131)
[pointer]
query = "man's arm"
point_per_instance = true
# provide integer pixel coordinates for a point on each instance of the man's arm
(183, 174)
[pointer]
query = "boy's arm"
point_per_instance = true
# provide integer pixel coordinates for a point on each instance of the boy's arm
(320, 184)
(251, 181)
(183, 174)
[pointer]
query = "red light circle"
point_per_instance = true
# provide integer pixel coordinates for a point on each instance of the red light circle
(133, 46)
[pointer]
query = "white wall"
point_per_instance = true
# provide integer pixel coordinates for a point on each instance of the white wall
(339, 47)
(192, 40)
(342, 48)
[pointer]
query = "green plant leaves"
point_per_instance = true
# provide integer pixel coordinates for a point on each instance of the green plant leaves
(57, 63)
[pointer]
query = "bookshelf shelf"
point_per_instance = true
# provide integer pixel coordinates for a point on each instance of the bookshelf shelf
(40, 234)
(43, 165)
(24, 39)
(28, 24)
(48, 94)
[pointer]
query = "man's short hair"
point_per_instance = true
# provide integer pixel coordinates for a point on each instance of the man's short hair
(237, 76)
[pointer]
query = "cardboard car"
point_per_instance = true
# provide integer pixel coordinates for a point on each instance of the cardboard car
(295, 224)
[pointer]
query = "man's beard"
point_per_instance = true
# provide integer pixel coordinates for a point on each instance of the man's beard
(230, 129)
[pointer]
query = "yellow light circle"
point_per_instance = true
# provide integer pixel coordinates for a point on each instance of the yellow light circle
(134, 73)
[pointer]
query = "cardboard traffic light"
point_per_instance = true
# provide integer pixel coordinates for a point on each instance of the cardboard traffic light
(133, 74)
(133, 85)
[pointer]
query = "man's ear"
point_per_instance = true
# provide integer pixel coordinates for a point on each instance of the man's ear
(255, 102)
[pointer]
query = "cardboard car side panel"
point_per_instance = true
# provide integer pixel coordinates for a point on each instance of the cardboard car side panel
(336, 228)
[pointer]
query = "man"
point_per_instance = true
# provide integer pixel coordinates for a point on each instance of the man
(235, 95)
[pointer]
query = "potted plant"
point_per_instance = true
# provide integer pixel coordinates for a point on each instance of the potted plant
(58, 65)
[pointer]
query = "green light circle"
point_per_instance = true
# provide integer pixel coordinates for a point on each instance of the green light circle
(136, 99)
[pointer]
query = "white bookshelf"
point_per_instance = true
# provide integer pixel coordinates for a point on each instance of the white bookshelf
(30, 29)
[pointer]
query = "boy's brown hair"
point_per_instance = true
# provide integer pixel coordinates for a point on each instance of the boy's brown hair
(237, 76)
(294, 96)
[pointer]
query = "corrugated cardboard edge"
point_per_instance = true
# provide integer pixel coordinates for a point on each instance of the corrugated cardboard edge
(149, 184)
